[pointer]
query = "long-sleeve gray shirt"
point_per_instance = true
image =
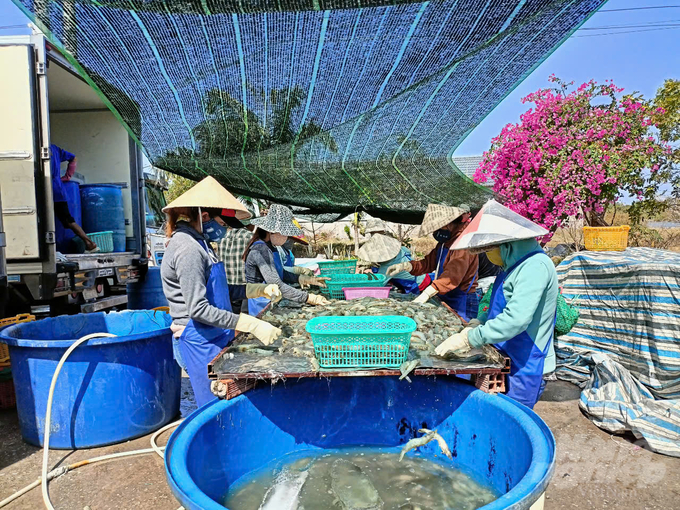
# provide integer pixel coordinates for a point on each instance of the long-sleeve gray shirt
(185, 271)
(260, 268)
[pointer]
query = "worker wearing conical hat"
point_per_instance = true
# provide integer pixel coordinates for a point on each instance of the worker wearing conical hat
(521, 317)
(264, 264)
(455, 272)
(383, 252)
(195, 283)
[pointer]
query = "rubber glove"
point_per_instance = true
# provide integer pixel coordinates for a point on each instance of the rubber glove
(398, 268)
(302, 270)
(316, 300)
(457, 343)
(473, 323)
(318, 281)
(263, 331)
(425, 295)
(270, 291)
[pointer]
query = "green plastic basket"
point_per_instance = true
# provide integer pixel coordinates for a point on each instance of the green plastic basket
(103, 240)
(334, 286)
(361, 342)
(331, 267)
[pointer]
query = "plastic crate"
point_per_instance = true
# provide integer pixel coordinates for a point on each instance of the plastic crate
(361, 342)
(331, 267)
(103, 240)
(4, 350)
(362, 292)
(606, 238)
(336, 284)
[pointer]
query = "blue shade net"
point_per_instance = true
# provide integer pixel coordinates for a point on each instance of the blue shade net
(329, 105)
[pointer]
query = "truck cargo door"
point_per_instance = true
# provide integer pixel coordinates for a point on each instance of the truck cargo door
(21, 181)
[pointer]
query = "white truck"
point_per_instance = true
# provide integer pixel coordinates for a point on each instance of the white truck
(43, 100)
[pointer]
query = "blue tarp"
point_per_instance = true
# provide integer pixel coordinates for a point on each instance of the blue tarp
(624, 350)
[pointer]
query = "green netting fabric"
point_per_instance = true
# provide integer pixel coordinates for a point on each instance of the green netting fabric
(326, 104)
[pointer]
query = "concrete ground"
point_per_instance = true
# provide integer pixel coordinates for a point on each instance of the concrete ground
(594, 471)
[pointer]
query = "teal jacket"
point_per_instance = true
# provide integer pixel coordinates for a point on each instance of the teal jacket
(531, 295)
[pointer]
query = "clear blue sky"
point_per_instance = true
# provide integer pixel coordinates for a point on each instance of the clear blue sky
(638, 57)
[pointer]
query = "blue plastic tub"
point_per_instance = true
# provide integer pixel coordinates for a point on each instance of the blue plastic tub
(493, 438)
(64, 235)
(148, 293)
(109, 390)
(102, 206)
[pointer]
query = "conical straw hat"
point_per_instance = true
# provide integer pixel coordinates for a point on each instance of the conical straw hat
(210, 194)
(438, 216)
(496, 224)
(375, 225)
(379, 248)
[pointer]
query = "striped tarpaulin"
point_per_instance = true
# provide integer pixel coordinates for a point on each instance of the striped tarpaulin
(625, 348)
(629, 304)
(617, 402)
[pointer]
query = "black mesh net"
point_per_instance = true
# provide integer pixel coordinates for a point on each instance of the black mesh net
(330, 105)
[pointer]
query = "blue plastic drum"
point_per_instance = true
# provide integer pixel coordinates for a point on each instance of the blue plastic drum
(500, 442)
(109, 389)
(102, 206)
(147, 293)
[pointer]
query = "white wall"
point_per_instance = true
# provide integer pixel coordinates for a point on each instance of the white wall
(101, 145)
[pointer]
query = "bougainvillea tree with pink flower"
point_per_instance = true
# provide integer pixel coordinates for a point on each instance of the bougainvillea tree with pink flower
(575, 154)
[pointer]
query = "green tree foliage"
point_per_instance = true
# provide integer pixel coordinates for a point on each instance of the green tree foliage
(178, 185)
(668, 122)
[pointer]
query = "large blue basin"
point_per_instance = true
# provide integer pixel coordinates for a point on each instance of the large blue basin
(109, 389)
(497, 440)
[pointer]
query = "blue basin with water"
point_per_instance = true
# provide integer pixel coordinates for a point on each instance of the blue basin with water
(498, 441)
(109, 389)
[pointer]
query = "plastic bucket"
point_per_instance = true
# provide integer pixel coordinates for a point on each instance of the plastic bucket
(109, 389)
(148, 293)
(362, 292)
(492, 437)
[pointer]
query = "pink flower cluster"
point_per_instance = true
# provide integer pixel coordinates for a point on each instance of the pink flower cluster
(577, 151)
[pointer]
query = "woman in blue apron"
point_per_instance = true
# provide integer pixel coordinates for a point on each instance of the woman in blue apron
(195, 283)
(455, 273)
(264, 264)
(521, 316)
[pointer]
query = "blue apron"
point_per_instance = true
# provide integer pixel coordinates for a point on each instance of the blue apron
(256, 305)
(290, 258)
(200, 343)
(526, 370)
(408, 286)
(464, 304)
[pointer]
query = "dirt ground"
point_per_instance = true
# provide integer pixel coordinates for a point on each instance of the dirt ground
(594, 471)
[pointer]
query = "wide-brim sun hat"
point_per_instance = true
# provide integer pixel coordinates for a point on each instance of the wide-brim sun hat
(379, 248)
(375, 225)
(438, 216)
(211, 194)
(279, 220)
(495, 224)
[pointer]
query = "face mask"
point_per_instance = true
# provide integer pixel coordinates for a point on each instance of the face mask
(288, 245)
(442, 235)
(494, 256)
(213, 231)
(278, 239)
